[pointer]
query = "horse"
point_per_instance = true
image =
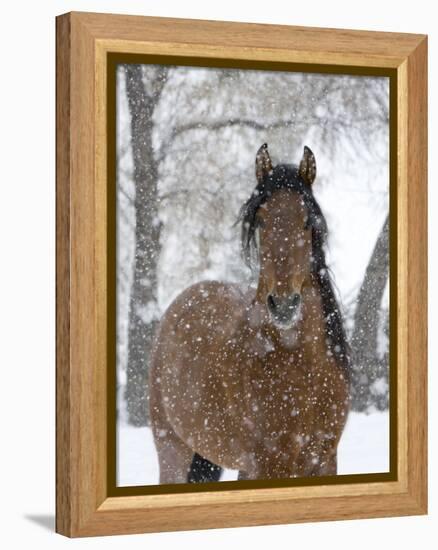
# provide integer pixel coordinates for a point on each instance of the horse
(257, 380)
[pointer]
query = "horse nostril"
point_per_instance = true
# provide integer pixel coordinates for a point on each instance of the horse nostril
(295, 300)
(271, 302)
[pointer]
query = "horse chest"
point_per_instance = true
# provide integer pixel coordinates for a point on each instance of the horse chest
(286, 393)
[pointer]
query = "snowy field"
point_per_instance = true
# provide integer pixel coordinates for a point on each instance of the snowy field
(364, 448)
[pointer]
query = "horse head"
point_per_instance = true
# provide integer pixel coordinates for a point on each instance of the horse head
(282, 220)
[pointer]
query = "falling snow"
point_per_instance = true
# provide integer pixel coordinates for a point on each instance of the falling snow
(206, 127)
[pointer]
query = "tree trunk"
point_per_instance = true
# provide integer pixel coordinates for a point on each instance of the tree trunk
(143, 314)
(367, 367)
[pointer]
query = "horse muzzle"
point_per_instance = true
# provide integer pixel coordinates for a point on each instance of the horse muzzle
(284, 311)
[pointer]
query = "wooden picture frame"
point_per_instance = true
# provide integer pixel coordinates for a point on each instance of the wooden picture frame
(86, 505)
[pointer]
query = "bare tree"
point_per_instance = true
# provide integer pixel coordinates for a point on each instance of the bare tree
(367, 366)
(143, 316)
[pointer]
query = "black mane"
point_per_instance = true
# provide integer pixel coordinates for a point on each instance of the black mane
(285, 176)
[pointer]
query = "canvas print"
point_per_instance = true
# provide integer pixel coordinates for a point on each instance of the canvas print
(253, 321)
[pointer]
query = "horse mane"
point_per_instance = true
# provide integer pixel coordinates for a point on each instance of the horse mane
(286, 176)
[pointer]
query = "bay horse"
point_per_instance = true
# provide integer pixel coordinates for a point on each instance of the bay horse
(256, 381)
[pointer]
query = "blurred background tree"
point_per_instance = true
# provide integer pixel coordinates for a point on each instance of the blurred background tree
(144, 85)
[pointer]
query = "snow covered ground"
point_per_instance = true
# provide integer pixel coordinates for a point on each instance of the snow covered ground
(364, 448)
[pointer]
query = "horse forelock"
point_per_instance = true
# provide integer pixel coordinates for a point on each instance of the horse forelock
(283, 176)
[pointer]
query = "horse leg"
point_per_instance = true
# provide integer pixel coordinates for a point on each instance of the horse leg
(174, 456)
(330, 467)
(178, 463)
(327, 466)
(202, 470)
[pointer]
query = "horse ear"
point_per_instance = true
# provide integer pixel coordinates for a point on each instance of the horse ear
(307, 167)
(263, 163)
